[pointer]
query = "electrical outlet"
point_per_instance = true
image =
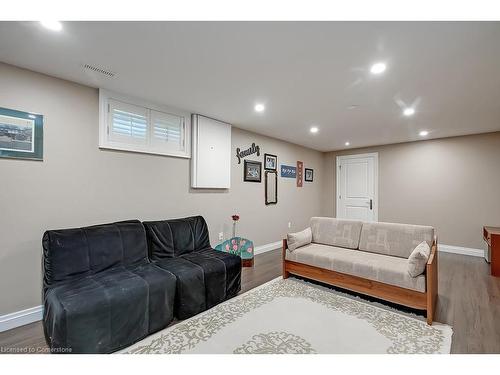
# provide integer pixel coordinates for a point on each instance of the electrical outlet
(289, 224)
(221, 236)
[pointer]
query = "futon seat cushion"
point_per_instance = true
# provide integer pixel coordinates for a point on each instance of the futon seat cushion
(386, 269)
(107, 311)
(204, 279)
(161, 294)
(232, 264)
(190, 298)
(214, 276)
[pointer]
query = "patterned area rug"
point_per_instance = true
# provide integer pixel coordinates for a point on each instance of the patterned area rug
(293, 316)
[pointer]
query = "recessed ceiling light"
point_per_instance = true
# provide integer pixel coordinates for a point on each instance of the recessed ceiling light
(378, 68)
(314, 129)
(52, 25)
(423, 133)
(347, 144)
(408, 112)
(259, 107)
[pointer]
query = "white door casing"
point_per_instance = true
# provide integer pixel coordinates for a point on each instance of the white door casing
(357, 187)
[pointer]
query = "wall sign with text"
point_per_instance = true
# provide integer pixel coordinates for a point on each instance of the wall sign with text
(287, 171)
(253, 149)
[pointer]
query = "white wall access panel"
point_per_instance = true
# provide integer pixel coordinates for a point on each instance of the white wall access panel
(211, 156)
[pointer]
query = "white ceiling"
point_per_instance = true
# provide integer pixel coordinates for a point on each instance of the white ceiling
(306, 73)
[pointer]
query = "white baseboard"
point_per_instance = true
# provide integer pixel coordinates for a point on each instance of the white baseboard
(267, 247)
(461, 250)
(20, 318)
(33, 314)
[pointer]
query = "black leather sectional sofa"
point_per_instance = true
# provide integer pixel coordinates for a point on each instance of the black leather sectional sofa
(108, 286)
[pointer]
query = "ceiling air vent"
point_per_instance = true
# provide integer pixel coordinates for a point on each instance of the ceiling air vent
(96, 69)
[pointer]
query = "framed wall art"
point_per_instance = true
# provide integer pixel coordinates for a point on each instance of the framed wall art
(271, 182)
(270, 162)
(21, 134)
(309, 175)
(252, 171)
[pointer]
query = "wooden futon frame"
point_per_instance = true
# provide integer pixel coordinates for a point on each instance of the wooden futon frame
(407, 297)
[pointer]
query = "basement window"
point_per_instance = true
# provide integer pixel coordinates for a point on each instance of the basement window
(131, 125)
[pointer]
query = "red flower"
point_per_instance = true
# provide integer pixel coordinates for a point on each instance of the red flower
(235, 217)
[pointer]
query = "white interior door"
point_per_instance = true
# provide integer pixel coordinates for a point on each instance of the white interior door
(357, 187)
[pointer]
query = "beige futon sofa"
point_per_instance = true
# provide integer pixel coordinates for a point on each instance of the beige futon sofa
(372, 258)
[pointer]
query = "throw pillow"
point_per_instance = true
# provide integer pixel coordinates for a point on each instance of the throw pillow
(418, 259)
(299, 239)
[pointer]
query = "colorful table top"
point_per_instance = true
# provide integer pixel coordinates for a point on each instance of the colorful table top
(238, 246)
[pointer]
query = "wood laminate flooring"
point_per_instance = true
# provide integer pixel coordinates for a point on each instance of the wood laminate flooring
(469, 301)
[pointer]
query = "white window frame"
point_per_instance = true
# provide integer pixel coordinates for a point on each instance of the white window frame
(148, 148)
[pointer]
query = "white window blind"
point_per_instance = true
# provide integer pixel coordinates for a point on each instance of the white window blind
(168, 130)
(132, 127)
(127, 123)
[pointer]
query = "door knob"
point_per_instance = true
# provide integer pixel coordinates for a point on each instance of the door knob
(371, 204)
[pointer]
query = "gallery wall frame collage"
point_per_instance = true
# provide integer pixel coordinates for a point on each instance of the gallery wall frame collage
(252, 171)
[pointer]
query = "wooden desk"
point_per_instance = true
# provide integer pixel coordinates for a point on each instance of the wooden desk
(492, 237)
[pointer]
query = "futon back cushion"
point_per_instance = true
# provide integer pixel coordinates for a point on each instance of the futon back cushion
(336, 232)
(73, 253)
(173, 238)
(394, 239)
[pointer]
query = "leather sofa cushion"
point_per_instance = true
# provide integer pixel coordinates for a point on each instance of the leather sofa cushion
(394, 239)
(78, 252)
(386, 269)
(173, 238)
(336, 232)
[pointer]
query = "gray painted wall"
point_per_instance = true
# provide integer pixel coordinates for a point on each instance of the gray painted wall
(77, 184)
(452, 184)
